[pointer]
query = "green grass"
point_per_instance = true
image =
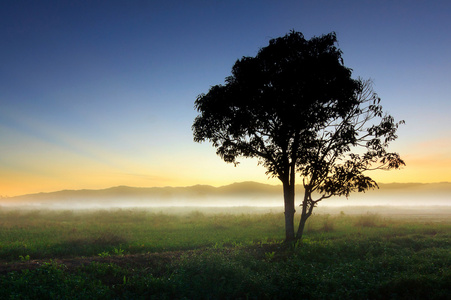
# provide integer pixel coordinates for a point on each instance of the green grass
(49, 234)
(222, 256)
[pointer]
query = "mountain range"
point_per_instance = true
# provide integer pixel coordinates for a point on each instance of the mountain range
(236, 194)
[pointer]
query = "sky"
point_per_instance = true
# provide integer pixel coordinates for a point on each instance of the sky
(95, 94)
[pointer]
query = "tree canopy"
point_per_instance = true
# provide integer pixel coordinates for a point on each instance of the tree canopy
(296, 108)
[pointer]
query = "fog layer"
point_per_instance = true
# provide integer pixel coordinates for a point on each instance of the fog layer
(235, 195)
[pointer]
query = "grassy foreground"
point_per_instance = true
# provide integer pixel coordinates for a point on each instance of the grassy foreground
(144, 254)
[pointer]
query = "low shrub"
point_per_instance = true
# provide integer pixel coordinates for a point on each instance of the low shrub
(368, 220)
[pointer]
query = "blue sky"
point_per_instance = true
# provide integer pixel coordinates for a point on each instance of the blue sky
(95, 94)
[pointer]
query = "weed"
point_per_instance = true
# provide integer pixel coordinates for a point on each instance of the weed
(104, 254)
(218, 245)
(24, 258)
(118, 251)
(270, 255)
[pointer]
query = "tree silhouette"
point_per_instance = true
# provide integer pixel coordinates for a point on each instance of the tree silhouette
(295, 107)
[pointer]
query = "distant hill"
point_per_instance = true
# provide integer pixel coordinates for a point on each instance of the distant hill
(236, 194)
(242, 188)
(153, 196)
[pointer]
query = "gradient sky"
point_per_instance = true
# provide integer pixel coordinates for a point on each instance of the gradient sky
(95, 94)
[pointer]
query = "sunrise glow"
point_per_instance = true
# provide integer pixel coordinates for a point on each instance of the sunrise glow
(105, 98)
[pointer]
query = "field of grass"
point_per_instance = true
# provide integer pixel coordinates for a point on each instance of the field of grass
(220, 254)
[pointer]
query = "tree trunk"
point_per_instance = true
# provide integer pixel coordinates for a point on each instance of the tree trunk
(306, 212)
(288, 195)
(304, 217)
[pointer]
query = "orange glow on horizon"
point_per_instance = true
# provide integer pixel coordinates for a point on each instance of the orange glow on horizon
(15, 184)
(426, 163)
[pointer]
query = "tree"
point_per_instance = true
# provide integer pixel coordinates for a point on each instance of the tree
(295, 107)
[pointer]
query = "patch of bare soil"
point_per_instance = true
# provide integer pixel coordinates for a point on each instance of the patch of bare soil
(153, 261)
(147, 261)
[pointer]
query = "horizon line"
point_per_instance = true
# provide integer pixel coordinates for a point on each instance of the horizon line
(200, 184)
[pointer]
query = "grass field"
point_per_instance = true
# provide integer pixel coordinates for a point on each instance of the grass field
(222, 254)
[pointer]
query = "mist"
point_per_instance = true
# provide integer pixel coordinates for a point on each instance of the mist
(244, 194)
